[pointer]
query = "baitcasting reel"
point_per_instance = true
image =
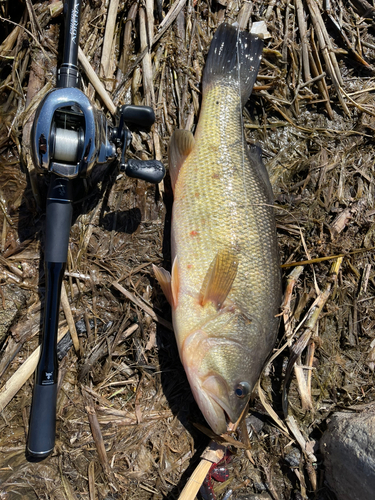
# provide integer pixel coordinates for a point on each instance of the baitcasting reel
(70, 137)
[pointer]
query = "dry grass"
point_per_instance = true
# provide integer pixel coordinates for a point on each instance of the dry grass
(125, 411)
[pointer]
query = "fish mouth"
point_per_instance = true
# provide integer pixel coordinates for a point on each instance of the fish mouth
(217, 391)
(213, 398)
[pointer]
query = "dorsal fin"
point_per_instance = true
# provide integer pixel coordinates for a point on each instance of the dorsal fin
(182, 142)
(219, 278)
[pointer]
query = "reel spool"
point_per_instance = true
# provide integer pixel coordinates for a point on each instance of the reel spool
(67, 145)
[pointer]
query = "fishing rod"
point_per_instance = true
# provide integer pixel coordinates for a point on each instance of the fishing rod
(71, 140)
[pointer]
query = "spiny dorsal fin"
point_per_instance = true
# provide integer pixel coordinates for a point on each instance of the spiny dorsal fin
(182, 142)
(169, 284)
(219, 278)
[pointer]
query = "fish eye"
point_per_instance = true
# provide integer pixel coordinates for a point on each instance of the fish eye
(242, 390)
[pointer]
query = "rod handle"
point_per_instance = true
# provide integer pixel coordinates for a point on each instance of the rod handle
(42, 426)
(59, 212)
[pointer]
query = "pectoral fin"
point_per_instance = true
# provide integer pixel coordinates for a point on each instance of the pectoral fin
(182, 142)
(219, 278)
(169, 284)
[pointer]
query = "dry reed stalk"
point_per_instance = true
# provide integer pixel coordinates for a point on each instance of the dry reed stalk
(143, 306)
(127, 43)
(96, 83)
(243, 435)
(244, 15)
(361, 108)
(35, 26)
(8, 44)
(87, 231)
(327, 51)
(313, 80)
(309, 363)
(91, 476)
(269, 10)
(148, 86)
(212, 455)
(24, 372)
(28, 113)
(285, 307)
(70, 320)
(56, 8)
(69, 492)
(303, 37)
(96, 433)
(317, 70)
(303, 388)
(20, 333)
(370, 359)
(4, 233)
(168, 20)
(271, 412)
(310, 321)
(106, 68)
(307, 448)
(150, 21)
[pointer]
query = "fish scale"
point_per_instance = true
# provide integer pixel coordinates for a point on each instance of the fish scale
(225, 284)
(232, 208)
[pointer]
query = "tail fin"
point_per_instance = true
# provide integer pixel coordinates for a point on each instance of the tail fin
(233, 55)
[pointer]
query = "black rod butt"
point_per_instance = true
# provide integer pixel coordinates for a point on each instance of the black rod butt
(42, 427)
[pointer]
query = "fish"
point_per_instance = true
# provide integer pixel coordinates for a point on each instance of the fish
(225, 284)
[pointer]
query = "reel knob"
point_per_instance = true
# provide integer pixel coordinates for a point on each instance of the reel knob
(147, 170)
(142, 116)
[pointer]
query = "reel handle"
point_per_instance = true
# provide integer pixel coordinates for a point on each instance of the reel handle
(142, 116)
(148, 170)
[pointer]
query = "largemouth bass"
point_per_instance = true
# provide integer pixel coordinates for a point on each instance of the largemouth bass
(225, 286)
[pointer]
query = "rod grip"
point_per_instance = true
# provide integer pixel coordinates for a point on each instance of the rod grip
(59, 212)
(42, 427)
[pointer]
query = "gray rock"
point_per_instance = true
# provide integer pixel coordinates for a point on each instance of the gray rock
(348, 447)
(293, 458)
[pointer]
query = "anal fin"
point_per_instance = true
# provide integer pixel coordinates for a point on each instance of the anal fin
(169, 284)
(219, 278)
